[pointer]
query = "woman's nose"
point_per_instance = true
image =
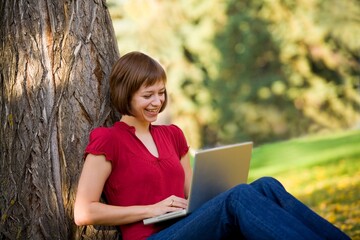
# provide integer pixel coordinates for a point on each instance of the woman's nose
(157, 100)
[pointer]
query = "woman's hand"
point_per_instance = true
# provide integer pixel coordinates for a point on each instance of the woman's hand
(170, 204)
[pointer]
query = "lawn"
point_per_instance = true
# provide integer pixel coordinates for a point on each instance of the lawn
(322, 171)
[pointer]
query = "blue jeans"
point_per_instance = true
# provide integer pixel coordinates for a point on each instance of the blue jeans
(260, 210)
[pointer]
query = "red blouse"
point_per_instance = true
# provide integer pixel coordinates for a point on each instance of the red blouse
(137, 176)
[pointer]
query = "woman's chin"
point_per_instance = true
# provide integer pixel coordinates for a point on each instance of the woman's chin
(151, 119)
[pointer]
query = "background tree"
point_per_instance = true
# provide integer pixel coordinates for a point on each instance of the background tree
(283, 71)
(55, 57)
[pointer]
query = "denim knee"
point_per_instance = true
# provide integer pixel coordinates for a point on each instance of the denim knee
(266, 182)
(267, 186)
(240, 187)
(240, 191)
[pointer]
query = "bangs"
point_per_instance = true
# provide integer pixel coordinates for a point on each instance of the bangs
(153, 74)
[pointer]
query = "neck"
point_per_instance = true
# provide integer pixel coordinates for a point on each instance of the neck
(134, 122)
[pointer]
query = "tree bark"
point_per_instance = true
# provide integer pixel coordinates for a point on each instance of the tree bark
(55, 58)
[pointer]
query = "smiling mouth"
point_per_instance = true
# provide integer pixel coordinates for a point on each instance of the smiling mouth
(152, 110)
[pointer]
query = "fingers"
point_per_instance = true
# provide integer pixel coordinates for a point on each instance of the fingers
(176, 202)
(170, 204)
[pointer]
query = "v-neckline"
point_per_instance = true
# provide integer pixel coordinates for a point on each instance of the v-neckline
(145, 146)
(133, 131)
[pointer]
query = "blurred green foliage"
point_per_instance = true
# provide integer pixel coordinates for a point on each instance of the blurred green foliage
(262, 70)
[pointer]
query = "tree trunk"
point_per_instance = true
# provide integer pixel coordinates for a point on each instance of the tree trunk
(55, 58)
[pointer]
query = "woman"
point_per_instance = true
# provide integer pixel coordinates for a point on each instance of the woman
(144, 171)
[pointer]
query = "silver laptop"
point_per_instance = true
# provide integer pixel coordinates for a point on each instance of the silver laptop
(216, 170)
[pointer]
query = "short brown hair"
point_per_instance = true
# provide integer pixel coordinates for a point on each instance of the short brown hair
(129, 73)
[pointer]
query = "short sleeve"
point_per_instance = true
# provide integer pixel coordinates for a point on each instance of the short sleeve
(180, 140)
(100, 143)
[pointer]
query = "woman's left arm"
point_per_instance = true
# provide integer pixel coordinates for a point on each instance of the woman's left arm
(185, 162)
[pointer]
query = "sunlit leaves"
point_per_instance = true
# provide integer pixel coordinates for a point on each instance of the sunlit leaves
(322, 171)
(331, 190)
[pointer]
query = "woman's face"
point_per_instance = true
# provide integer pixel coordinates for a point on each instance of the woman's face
(147, 102)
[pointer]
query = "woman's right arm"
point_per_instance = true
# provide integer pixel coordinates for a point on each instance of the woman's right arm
(88, 210)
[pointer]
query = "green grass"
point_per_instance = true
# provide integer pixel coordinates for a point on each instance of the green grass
(302, 153)
(322, 171)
